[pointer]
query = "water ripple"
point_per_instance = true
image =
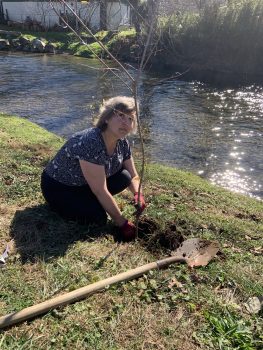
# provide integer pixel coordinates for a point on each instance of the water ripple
(215, 133)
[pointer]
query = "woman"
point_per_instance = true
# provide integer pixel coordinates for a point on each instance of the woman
(92, 166)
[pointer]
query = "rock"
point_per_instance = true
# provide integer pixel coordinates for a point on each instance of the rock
(4, 44)
(23, 41)
(38, 45)
(49, 48)
(254, 305)
(15, 43)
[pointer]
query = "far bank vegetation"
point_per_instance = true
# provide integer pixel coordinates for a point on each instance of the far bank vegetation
(212, 40)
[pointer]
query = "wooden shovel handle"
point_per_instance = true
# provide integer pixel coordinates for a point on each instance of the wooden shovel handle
(81, 293)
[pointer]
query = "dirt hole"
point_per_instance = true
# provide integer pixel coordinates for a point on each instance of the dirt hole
(156, 238)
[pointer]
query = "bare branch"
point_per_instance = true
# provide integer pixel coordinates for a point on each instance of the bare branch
(83, 42)
(98, 41)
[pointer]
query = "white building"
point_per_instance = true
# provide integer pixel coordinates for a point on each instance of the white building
(118, 13)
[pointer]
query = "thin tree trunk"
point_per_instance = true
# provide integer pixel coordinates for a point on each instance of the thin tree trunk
(103, 14)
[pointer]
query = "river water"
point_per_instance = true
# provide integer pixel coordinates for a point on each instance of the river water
(213, 132)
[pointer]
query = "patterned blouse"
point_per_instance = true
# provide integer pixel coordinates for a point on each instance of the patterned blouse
(86, 145)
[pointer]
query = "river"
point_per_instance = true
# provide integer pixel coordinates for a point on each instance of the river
(213, 132)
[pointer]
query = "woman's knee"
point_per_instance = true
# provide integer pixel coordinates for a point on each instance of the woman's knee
(118, 182)
(126, 178)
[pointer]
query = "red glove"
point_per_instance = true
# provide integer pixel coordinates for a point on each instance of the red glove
(128, 231)
(139, 203)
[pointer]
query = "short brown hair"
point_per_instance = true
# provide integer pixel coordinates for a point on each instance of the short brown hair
(119, 103)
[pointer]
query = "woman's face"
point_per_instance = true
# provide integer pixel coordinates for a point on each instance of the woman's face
(121, 124)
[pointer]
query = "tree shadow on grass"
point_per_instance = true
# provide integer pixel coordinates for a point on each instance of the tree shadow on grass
(40, 233)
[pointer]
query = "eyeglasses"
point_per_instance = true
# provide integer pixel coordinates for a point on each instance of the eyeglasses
(126, 118)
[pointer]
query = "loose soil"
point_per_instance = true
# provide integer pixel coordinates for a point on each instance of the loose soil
(159, 239)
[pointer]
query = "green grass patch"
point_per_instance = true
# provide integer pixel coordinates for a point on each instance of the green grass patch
(175, 308)
(92, 50)
(226, 331)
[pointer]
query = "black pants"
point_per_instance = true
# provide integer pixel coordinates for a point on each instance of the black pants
(78, 203)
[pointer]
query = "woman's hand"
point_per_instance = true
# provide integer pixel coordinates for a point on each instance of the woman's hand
(128, 231)
(139, 203)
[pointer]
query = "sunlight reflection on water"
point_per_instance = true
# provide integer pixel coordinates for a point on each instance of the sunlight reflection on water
(212, 132)
(219, 131)
(247, 105)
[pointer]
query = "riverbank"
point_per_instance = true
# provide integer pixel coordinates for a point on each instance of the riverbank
(220, 45)
(198, 309)
(122, 44)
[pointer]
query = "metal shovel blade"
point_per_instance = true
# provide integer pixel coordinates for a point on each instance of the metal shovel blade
(196, 251)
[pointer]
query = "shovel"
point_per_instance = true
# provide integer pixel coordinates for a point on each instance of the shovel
(194, 252)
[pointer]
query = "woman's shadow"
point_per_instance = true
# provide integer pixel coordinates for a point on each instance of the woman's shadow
(40, 233)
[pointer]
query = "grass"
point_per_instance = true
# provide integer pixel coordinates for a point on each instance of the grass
(175, 308)
(221, 40)
(229, 332)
